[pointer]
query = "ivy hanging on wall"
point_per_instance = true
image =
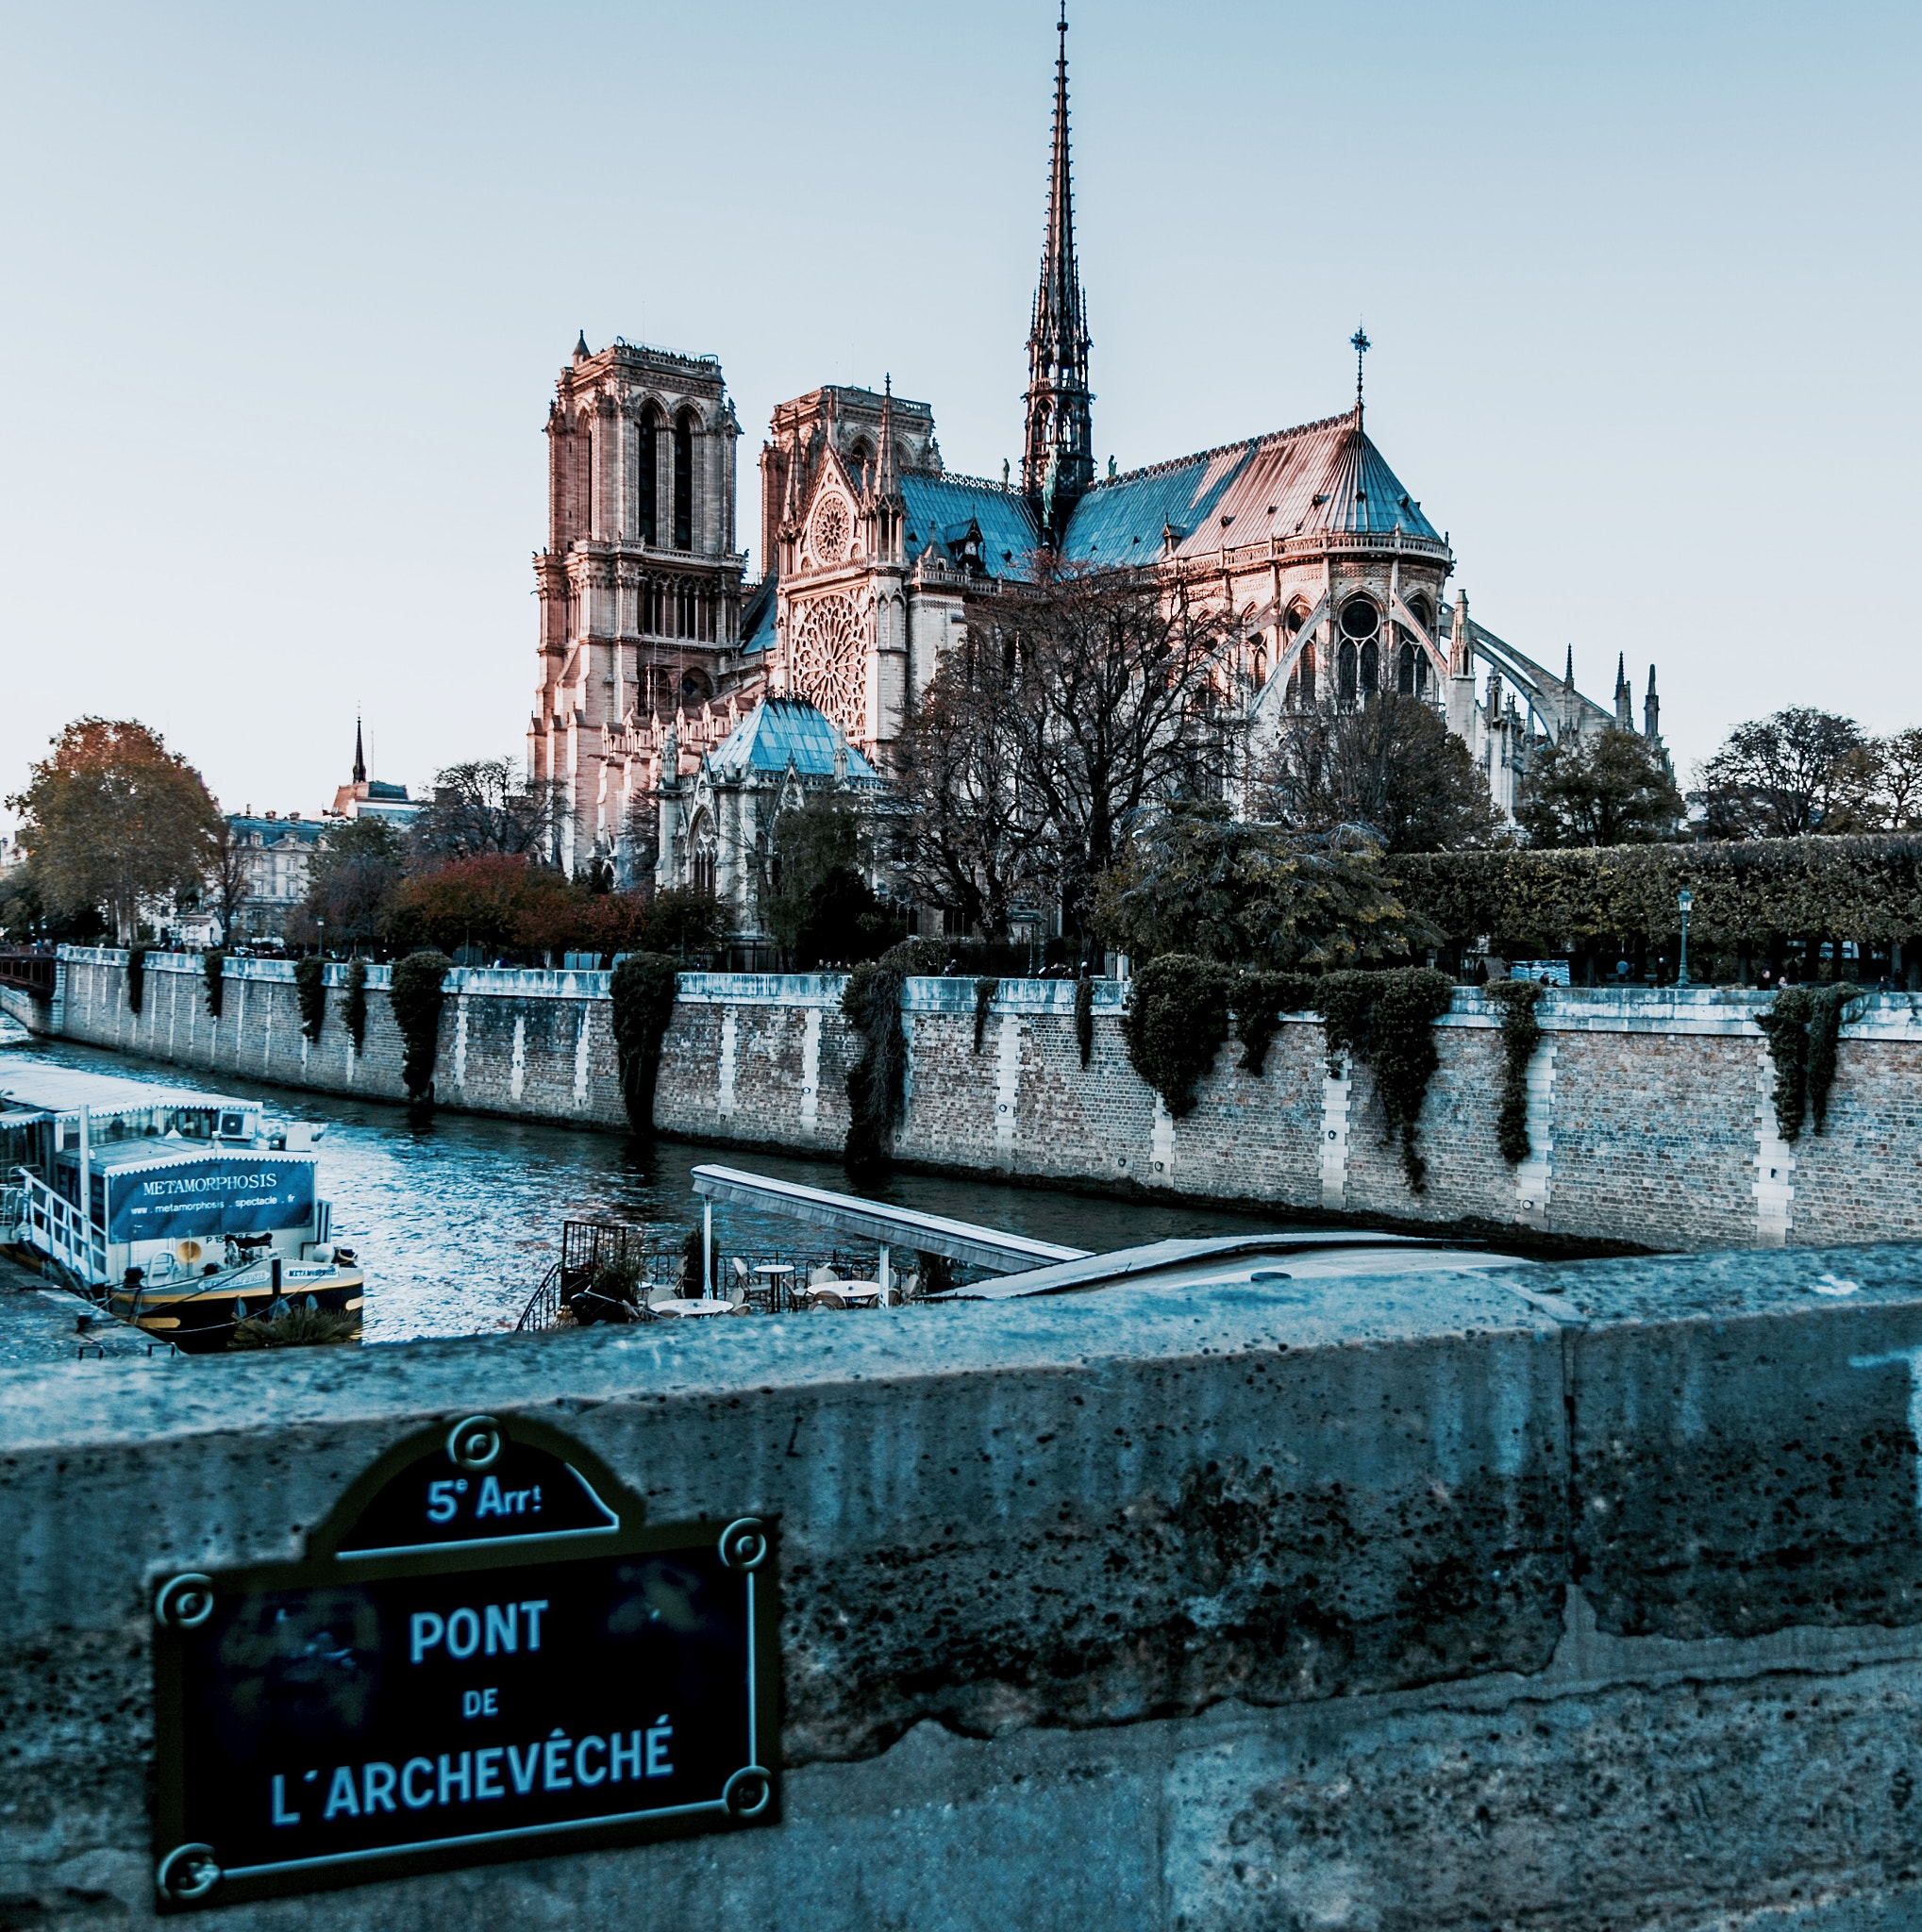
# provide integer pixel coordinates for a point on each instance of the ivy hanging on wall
(1084, 1017)
(985, 991)
(415, 995)
(355, 1014)
(213, 966)
(311, 984)
(643, 990)
(1386, 1020)
(1260, 1000)
(136, 977)
(1802, 1028)
(1177, 1022)
(1521, 1034)
(876, 1083)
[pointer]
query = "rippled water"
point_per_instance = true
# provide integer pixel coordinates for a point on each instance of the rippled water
(457, 1221)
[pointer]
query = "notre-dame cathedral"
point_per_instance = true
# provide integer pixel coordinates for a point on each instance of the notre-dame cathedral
(683, 705)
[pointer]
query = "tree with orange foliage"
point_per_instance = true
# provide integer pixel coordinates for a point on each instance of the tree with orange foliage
(501, 901)
(113, 820)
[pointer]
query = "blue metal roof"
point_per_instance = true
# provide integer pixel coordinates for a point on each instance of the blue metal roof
(757, 620)
(783, 731)
(273, 831)
(940, 508)
(1323, 478)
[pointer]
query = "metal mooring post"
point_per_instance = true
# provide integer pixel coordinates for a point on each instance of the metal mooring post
(707, 1250)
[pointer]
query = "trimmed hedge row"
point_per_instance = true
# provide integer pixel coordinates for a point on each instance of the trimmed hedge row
(1749, 895)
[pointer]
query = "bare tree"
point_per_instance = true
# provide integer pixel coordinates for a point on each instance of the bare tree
(1113, 711)
(485, 806)
(963, 839)
(229, 878)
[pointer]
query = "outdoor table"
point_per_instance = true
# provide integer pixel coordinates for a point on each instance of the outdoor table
(694, 1307)
(776, 1287)
(866, 1292)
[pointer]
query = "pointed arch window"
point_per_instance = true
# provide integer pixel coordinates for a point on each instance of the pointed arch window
(684, 481)
(647, 455)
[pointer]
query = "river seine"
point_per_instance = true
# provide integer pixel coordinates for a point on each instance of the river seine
(456, 1221)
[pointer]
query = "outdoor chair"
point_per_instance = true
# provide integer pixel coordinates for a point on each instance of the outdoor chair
(827, 1298)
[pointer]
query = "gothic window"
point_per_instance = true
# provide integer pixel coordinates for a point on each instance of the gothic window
(684, 481)
(1258, 666)
(1306, 673)
(859, 459)
(829, 537)
(694, 688)
(1360, 623)
(647, 433)
(1412, 665)
(587, 494)
(1345, 663)
(826, 660)
(1418, 609)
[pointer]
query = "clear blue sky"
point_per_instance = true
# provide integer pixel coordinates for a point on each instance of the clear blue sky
(286, 289)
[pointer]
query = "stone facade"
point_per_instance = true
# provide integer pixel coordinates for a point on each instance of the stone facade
(1649, 1113)
(877, 560)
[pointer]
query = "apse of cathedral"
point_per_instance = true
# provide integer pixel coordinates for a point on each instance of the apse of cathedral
(683, 705)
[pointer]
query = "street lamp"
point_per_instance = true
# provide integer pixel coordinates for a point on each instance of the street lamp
(1685, 902)
(322, 925)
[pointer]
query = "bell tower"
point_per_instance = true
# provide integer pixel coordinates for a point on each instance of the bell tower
(1057, 464)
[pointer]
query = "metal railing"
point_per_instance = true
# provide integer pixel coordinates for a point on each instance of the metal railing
(33, 970)
(63, 1234)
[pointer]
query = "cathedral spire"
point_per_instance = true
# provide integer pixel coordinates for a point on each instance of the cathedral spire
(1624, 698)
(359, 756)
(887, 457)
(1058, 465)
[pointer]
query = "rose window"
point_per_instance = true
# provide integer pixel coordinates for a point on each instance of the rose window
(830, 531)
(828, 662)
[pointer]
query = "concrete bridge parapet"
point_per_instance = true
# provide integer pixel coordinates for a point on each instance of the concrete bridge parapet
(1582, 1597)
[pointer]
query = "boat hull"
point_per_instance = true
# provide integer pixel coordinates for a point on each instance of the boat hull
(201, 1321)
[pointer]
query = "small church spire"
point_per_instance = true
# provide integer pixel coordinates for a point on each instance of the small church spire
(1568, 670)
(1059, 463)
(1651, 712)
(361, 756)
(1624, 698)
(1361, 344)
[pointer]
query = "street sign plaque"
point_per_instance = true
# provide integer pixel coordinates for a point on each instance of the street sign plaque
(487, 1654)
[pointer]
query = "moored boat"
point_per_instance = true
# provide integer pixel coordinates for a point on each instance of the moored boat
(185, 1214)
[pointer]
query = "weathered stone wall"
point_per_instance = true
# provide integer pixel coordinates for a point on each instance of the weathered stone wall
(516, 1042)
(1587, 1599)
(1649, 1114)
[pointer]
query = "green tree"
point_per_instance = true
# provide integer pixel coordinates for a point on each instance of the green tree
(1783, 775)
(114, 820)
(1610, 789)
(685, 922)
(1391, 764)
(819, 905)
(1245, 893)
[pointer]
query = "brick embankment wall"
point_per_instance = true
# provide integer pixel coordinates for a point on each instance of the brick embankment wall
(1649, 1113)
(1585, 1599)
